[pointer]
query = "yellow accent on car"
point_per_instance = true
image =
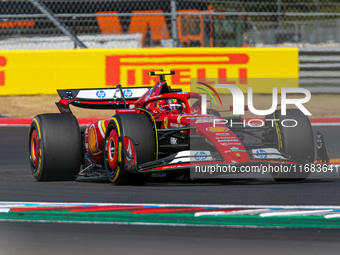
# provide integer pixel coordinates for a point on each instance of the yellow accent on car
(103, 126)
(161, 73)
(166, 122)
(93, 140)
(119, 151)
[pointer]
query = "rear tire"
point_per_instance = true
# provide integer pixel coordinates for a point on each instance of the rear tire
(137, 127)
(55, 147)
(297, 142)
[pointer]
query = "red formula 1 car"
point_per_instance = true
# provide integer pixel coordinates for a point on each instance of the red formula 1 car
(162, 130)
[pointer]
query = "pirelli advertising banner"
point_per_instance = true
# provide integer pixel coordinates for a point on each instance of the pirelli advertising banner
(30, 72)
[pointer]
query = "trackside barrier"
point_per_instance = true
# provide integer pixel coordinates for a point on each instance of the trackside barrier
(320, 70)
(34, 72)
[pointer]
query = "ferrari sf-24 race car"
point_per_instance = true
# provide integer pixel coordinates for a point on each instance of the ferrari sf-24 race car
(161, 130)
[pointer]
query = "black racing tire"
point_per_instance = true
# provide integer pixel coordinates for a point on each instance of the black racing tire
(297, 142)
(139, 128)
(55, 147)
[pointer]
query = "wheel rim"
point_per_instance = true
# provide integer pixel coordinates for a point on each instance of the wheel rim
(112, 153)
(34, 148)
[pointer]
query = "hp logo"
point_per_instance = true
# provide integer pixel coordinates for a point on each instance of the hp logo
(100, 94)
(128, 93)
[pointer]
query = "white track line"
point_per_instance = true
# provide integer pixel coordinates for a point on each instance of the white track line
(217, 206)
(294, 213)
(334, 215)
(255, 211)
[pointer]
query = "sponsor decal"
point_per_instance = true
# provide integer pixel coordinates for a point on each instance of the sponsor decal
(261, 153)
(201, 155)
(200, 117)
(127, 93)
(229, 65)
(169, 167)
(228, 144)
(222, 135)
(239, 150)
(193, 111)
(100, 94)
(204, 120)
(173, 140)
(186, 65)
(187, 156)
(267, 153)
(229, 140)
(217, 129)
(166, 122)
(175, 125)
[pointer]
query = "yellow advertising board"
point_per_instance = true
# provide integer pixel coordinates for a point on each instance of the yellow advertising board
(29, 72)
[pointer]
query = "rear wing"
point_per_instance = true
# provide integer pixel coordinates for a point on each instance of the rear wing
(104, 94)
(110, 98)
(104, 98)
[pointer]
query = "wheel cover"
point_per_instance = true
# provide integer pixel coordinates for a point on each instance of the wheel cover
(34, 148)
(112, 153)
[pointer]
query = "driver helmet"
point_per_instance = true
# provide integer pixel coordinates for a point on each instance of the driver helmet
(171, 105)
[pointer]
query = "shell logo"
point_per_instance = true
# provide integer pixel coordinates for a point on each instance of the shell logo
(217, 129)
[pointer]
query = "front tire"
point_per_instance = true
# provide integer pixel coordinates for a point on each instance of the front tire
(138, 128)
(55, 147)
(297, 142)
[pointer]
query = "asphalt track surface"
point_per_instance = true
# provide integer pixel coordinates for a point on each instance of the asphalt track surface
(17, 184)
